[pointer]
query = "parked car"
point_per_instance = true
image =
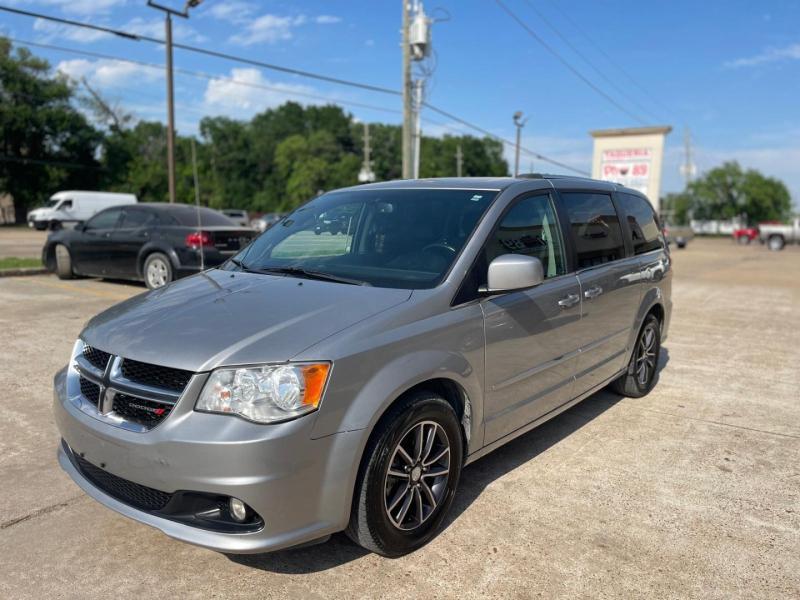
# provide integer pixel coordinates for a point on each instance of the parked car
(290, 394)
(154, 242)
(678, 235)
(745, 235)
(777, 236)
(237, 216)
(74, 206)
(266, 221)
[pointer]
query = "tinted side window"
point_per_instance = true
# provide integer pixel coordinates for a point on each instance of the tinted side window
(530, 228)
(106, 219)
(595, 228)
(644, 230)
(132, 219)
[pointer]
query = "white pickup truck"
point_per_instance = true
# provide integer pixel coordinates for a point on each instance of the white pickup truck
(777, 236)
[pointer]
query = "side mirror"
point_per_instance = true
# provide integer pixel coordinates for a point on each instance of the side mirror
(510, 272)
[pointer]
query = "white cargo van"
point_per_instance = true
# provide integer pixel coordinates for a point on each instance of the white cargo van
(74, 206)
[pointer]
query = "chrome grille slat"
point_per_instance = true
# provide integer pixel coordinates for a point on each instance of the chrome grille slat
(123, 402)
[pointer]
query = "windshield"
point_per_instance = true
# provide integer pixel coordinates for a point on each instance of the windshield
(52, 202)
(386, 238)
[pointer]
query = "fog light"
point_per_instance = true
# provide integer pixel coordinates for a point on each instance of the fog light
(238, 510)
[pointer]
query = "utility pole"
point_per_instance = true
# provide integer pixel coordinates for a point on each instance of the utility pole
(688, 168)
(416, 48)
(419, 90)
(520, 123)
(366, 174)
(459, 160)
(406, 93)
(168, 12)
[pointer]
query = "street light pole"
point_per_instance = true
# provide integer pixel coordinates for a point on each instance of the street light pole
(520, 123)
(170, 89)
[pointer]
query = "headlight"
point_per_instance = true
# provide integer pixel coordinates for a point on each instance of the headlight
(265, 394)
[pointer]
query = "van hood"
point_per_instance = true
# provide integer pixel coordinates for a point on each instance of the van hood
(222, 318)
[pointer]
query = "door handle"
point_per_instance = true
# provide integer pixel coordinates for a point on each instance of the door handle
(569, 301)
(593, 292)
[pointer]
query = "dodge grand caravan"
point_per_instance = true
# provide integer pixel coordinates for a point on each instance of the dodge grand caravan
(316, 383)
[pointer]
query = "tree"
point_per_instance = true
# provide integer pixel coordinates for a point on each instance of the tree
(728, 191)
(47, 144)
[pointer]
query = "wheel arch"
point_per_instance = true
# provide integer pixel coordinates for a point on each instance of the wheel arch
(152, 248)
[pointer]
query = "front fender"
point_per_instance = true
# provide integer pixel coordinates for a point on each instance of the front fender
(365, 383)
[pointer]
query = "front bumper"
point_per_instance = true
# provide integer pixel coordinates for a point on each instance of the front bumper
(301, 487)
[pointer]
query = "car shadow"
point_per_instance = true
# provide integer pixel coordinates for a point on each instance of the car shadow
(475, 478)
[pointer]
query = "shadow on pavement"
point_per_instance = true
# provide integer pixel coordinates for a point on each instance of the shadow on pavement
(475, 478)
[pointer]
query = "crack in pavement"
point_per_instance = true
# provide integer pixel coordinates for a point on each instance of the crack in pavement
(40, 511)
(720, 423)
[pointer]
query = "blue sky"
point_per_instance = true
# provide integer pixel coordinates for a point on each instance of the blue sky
(729, 70)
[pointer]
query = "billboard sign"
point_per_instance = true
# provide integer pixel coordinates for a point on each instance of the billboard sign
(629, 167)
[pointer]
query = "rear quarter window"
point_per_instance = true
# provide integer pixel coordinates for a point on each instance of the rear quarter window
(595, 228)
(643, 227)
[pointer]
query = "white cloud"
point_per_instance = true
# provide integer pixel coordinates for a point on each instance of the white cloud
(107, 74)
(78, 7)
(770, 55)
(243, 93)
(268, 29)
(328, 19)
(235, 11)
(49, 31)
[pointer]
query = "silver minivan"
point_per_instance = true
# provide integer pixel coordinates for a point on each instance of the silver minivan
(320, 382)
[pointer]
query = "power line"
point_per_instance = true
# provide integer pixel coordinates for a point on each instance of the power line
(586, 59)
(618, 66)
(264, 65)
(496, 137)
(566, 63)
(201, 75)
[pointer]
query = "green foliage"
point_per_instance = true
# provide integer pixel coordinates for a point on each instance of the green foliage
(677, 208)
(47, 144)
(729, 191)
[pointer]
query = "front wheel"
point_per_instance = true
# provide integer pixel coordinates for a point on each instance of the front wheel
(640, 376)
(63, 262)
(743, 240)
(157, 270)
(408, 476)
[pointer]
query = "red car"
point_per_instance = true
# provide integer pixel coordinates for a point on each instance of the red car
(745, 235)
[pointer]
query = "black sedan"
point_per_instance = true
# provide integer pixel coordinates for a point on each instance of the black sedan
(154, 243)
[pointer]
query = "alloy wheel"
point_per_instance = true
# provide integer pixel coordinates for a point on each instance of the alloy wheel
(646, 356)
(416, 480)
(157, 273)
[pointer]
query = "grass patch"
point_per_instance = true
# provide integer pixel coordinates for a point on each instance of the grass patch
(19, 263)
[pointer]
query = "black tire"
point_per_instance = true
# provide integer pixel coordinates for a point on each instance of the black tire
(776, 243)
(681, 244)
(372, 524)
(63, 262)
(630, 384)
(157, 270)
(39, 226)
(743, 240)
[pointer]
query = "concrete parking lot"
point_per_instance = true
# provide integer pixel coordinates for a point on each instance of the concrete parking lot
(692, 491)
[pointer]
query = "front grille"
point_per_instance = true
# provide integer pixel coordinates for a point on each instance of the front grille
(90, 390)
(154, 375)
(139, 496)
(138, 410)
(96, 357)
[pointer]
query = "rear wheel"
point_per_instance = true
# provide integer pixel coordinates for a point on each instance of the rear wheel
(157, 270)
(776, 242)
(63, 262)
(640, 376)
(408, 476)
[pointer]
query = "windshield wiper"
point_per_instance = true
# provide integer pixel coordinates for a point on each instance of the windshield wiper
(299, 272)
